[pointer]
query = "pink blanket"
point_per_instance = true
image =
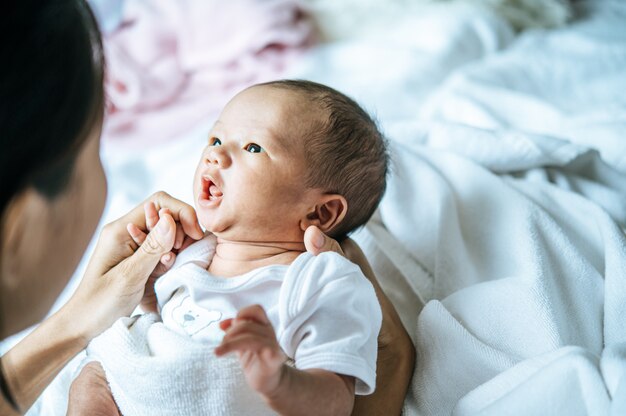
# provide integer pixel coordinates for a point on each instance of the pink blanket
(171, 64)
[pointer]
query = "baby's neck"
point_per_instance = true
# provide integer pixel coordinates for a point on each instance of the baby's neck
(234, 258)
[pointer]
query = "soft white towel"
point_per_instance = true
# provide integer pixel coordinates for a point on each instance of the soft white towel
(149, 375)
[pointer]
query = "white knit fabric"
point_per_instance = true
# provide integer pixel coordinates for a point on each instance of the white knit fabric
(154, 371)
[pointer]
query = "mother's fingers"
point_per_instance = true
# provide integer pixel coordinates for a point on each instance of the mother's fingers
(181, 212)
(158, 242)
(317, 242)
(167, 260)
(353, 252)
(180, 238)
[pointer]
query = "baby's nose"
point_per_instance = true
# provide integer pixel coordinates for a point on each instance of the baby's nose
(218, 156)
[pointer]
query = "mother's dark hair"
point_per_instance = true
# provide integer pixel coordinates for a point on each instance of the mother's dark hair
(51, 92)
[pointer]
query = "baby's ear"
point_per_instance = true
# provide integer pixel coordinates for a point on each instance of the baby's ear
(327, 214)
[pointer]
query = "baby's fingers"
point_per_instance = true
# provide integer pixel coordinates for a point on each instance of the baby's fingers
(253, 313)
(226, 323)
(136, 234)
(245, 342)
(152, 216)
(239, 328)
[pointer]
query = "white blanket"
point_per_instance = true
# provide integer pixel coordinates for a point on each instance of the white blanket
(505, 224)
(567, 83)
(155, 371)
(516, 274)
(149, 374)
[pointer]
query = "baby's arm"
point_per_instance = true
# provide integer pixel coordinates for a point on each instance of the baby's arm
(287, 390)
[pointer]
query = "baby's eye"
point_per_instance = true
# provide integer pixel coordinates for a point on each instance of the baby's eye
(215, 142)
(253, 148)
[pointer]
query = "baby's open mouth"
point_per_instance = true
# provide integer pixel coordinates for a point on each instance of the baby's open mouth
(210, 191)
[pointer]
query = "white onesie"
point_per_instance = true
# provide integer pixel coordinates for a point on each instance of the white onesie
(323, 309)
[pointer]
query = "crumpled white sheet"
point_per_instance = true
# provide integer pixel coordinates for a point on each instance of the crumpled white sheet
(392, 66)
(566, 83)
(349, 18)
(505, 212)
(515, 274)
(533, 157)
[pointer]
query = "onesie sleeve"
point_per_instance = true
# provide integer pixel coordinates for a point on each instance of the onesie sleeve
(331, 318)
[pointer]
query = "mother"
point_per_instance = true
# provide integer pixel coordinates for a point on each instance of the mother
(52, 194)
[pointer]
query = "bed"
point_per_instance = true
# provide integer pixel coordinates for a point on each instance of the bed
(500, 239)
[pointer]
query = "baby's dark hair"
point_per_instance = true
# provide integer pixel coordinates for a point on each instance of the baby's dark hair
(346, 153)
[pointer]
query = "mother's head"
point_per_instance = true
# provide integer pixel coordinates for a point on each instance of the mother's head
(52, 185)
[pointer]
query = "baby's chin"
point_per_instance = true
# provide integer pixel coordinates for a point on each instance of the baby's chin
(210, 229)
(209, 222)
(230, 233)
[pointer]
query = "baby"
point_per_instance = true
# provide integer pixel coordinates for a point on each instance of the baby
(283, 156)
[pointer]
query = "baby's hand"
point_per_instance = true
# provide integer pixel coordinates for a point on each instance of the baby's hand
(152, 217)
(252, 336)
(148, 303)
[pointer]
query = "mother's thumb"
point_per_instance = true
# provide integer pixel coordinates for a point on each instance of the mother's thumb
(158, 242)
(316, 242)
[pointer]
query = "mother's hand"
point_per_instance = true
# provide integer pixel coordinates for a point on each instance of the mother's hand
(115, 280)
(112, 286)
(396, 353)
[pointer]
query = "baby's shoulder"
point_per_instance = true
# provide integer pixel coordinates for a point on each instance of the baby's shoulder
(325, 274)
(328, 265)
(323, 287)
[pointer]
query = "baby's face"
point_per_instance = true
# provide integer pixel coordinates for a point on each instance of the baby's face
(249, 184)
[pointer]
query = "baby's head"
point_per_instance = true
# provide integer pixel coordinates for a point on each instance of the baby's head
(285, 155)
